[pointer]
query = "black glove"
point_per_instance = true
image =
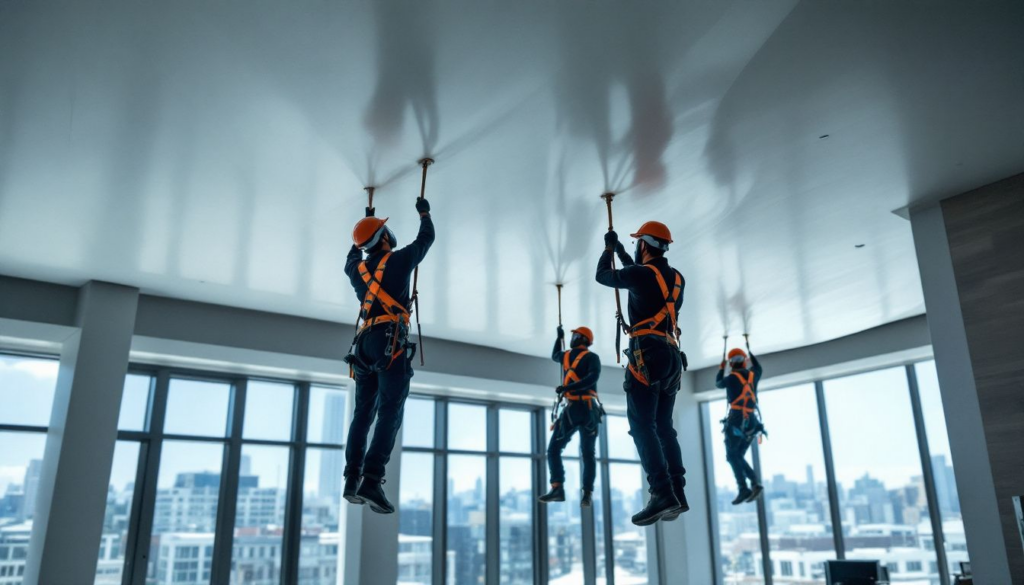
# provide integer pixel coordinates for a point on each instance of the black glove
(686, 362)
(422, 205)
(561, 332)
(369, 211)
(611, 239)
(560, 390)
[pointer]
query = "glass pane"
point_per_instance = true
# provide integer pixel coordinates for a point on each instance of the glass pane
(418, 424)
(328, 419)
(268, 411)
(514, 431)
(600, 526)
(185, 517)
(796, 489)
(197, 408)
(26, 390)
(259, 516)
(620, 442)
(467, 518)
(134, 403)
(629, 541)
(516, 501)
(416, 519)
(467, 427)
(323, 518)
(878, 468)
(942, 468)
(565, 532)
(738, 538)
(110, 566)
(21, 462)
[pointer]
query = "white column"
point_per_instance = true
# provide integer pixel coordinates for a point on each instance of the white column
(371, 551)
(80, 442)
(967, 444)
(685, 544)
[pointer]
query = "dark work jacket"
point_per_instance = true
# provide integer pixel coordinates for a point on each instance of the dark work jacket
(399, 270)
(588, 370)
(645, 298)
(733, 387)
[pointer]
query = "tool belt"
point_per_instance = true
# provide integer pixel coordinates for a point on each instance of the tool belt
(396, 343)
(594, 414)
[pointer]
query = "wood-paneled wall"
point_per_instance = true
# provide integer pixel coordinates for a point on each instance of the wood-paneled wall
(985, 229)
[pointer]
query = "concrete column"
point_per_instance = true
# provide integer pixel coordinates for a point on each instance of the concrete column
(80, 442)
(960, 400)
(685, 546)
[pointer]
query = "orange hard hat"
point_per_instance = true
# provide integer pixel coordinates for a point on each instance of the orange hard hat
(585, 332)
(737, 354)
(368, 232)
(654, 229)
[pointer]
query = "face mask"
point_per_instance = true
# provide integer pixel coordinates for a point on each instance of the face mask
(391, 238)
(638, 254)
(577, 340)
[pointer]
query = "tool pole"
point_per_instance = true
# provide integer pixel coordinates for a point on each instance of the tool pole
(746, 339)
(425, 162)
(618, 300)
(369, 194)
(725, 346)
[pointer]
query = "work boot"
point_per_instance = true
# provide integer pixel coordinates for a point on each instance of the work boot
(351, 487)
(372, 493)
(755, 492)
(588, 499)
(741, 498)
(557, 494)
(662, 502)
(677, 489)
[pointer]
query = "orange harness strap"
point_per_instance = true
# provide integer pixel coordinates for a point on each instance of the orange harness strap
(746, 397)
(570, 370)
(394, 312)
(650, 325)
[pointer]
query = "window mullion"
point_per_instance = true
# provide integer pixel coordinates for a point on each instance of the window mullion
(710, 489)
(493, 512)
(223, 541)
(440, 528)
(934, 512)
(291, 545)
(137, 558)
(830, 472)
(762, 521)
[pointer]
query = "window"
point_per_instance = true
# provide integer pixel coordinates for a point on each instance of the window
(628, 496)
(738, 537)
(416, 518)
(942, 465)
(27, 387)
(796, 489)
(878, 466)
(881, 506)
(219, 456)
(516, 502)
(467, 517)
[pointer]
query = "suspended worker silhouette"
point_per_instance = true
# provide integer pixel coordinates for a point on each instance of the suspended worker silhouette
(743, 422)
(581, 369)
(655, 362)
(381, 354)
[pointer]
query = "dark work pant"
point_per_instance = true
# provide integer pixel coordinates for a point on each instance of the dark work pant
(574, 418)
(735, 453)
(649, 409)
(379, 394)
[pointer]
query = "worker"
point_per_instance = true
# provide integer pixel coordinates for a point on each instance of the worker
(743, 422)
(655, 362)
(581, 369)
(381, 354)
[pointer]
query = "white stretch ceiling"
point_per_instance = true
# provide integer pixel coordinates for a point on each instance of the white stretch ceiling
(218, 151)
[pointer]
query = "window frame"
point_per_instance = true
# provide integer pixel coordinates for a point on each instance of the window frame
(707, 424)
(538, 458)
(152, 438)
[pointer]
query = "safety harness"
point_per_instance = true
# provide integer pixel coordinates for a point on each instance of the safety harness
(652, 325)
(746, 403)
(571, 376)
(394, 312)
